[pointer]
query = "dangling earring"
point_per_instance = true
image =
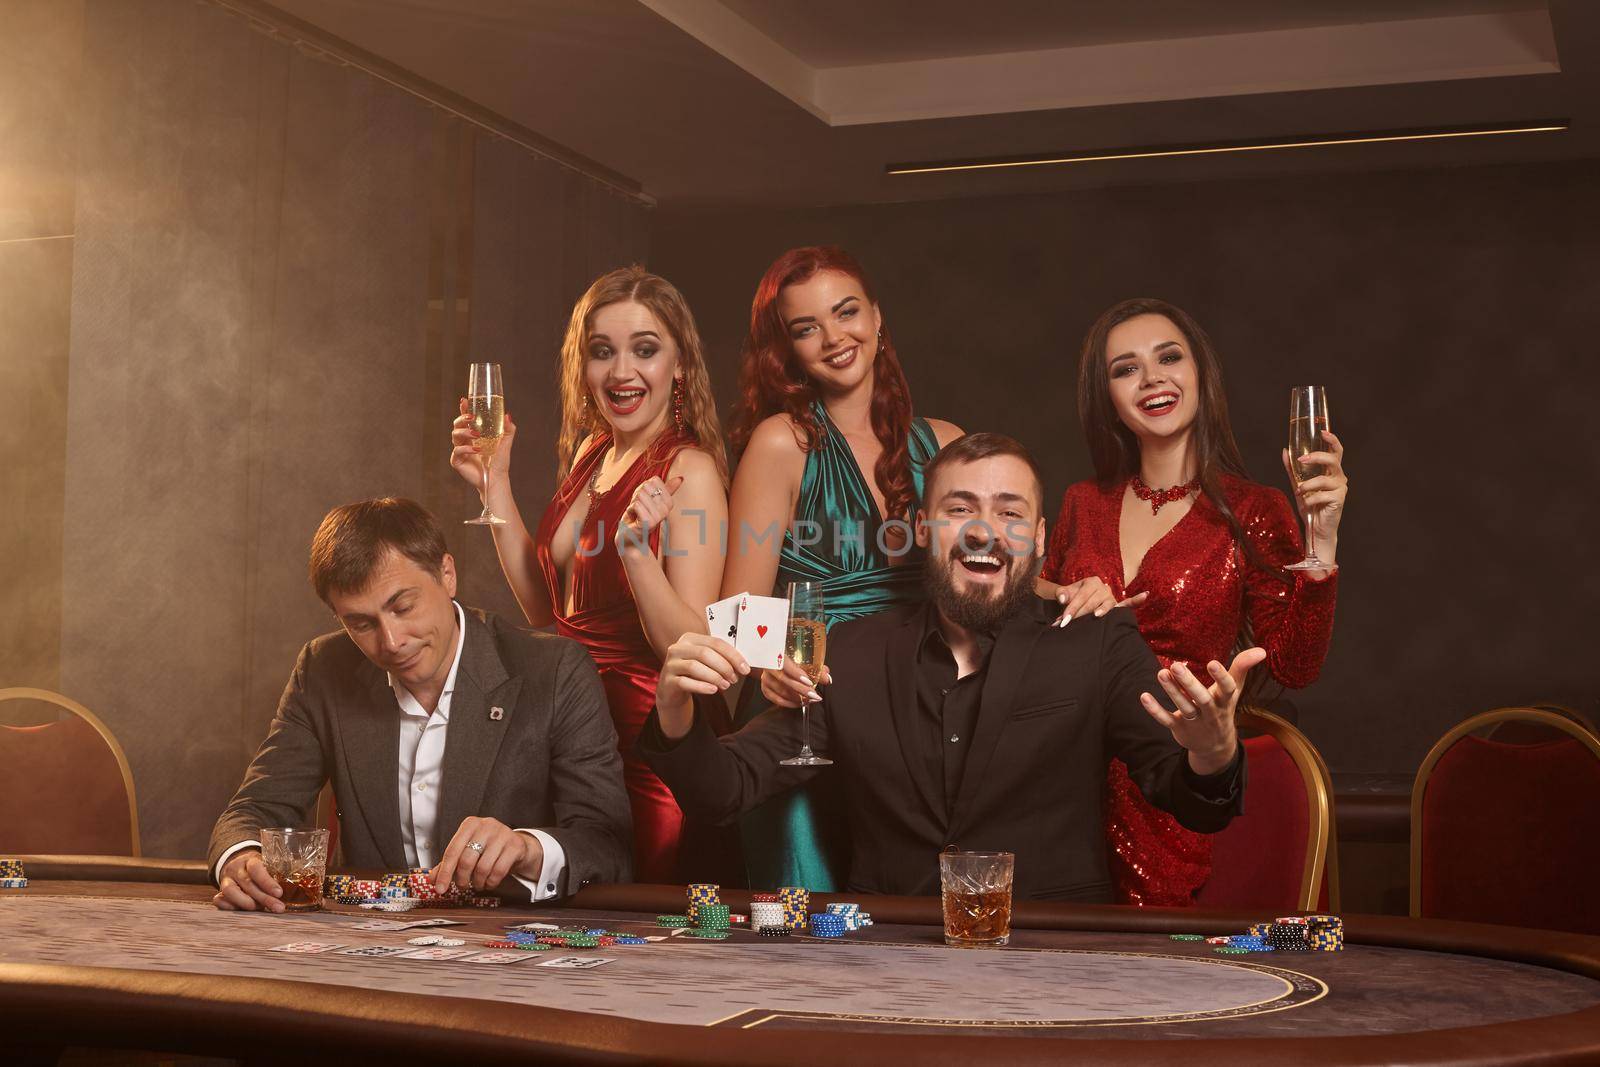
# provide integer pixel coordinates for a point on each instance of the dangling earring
(677, 403)
(880, 338)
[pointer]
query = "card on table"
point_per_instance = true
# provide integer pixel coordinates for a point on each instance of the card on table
(307, 948)
(375, 951)
(437, 952)
(578, 963)
(498, 959)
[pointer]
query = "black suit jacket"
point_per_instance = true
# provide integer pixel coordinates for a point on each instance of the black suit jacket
(1057, 704)
(548, 762)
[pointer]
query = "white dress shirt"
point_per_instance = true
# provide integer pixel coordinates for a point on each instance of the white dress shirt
(422, 741)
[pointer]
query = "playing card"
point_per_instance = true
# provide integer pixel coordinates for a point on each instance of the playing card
(437, 952)
(418, 923)
(761, 626)
(577, 963)
(378, 924)
(375, 951)
(722, 619)
(305, 947)
(498, 959)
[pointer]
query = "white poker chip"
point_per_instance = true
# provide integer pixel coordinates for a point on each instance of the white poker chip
(451, 942)
(425, 939)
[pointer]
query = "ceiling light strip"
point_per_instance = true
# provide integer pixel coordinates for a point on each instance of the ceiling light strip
(1201, 150)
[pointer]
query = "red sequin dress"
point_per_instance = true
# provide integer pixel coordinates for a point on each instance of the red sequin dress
(1201, 588)
(605, 620)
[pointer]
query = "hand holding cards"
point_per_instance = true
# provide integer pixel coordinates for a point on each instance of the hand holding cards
(755, 625)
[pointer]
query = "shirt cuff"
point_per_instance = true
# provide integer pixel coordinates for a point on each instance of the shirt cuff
(216, 872)
(550, 875)
(1219, 785)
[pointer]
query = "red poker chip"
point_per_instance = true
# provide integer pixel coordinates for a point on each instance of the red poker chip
(766, 898)
(499, 944)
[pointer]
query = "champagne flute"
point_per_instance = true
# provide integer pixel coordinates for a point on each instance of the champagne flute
(486, 402)
(1308, 421)
(804, 643)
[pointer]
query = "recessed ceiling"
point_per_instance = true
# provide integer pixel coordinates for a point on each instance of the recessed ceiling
(847, 33)
(734, 102)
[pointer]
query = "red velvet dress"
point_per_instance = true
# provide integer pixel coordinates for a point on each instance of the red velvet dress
(1200, 589)
(605, 620)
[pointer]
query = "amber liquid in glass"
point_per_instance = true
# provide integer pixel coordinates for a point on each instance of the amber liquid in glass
(302, 890)
(977, 917)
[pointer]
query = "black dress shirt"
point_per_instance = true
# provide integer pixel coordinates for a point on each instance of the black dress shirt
(948, 705)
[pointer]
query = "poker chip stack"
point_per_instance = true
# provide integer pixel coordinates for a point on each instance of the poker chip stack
(711, 922)
(12, 874)
(1260, 929)
(338, 886)
(827, 924)
(851, 913)
(765, 913)
(1288, 934)
(1325, 933)
(796, 902)
(392, 880)
(701, 893)
(366, 888)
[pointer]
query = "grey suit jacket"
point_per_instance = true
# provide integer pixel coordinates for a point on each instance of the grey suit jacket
(550, 762)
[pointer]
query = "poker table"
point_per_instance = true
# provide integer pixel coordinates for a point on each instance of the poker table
(130, 955)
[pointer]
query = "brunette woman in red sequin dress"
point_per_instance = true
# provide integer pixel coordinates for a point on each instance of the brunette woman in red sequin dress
(639, 447)
(1171, 527)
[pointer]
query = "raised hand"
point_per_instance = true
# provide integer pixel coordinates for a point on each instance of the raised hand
(789, 687)
(650, 506)
(1090, 595)
(1321, 499)
(695, 664)
(468, 461)
(1203, 722)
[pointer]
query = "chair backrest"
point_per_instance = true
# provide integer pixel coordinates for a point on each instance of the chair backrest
(1503, 832)
(1521, 731)
(71, 779)
(1279, 855)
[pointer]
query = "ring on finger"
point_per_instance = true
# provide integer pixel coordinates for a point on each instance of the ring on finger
(476, 846)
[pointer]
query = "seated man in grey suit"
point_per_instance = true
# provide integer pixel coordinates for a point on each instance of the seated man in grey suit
(968, 721)
(454, 741)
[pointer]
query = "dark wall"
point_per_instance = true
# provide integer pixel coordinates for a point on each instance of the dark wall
(1450, 313)
(242, 288)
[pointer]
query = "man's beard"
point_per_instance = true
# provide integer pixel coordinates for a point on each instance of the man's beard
(979, 609)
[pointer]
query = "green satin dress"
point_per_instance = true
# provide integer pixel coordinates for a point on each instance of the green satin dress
(802, 838)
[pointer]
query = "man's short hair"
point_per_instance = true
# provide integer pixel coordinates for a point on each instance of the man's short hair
(354, 539)
(972, 447)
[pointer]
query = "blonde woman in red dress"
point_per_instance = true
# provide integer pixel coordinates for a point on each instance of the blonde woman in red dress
(640, 452)
(1173, 528)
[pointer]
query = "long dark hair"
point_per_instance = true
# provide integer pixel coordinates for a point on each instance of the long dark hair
(771, 379)
(1113, 447)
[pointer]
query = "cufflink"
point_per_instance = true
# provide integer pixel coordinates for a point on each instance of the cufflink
(497, 713)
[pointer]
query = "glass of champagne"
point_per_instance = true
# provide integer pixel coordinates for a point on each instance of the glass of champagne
(1308, 421)
(486, 402)
(805, 643)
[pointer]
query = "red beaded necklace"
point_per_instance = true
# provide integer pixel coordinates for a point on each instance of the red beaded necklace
(1158, 498)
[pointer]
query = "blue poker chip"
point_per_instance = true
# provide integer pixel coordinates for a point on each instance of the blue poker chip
(596, 931)
(13, 883)
(630, 939)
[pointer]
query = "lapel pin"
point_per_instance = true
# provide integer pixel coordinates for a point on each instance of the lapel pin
(496, 714)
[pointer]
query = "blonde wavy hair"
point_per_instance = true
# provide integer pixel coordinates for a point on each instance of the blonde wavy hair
(580, 418)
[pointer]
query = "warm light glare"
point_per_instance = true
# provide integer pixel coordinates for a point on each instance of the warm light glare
(1158, 153)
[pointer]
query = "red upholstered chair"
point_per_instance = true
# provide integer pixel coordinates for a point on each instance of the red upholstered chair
(1525, 732)
(1278, 856)
(65, 786)
(1503, 832)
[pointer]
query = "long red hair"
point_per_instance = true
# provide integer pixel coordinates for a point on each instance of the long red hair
(771, 379)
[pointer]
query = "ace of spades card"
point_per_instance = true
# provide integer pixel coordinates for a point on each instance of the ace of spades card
(755, 625)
